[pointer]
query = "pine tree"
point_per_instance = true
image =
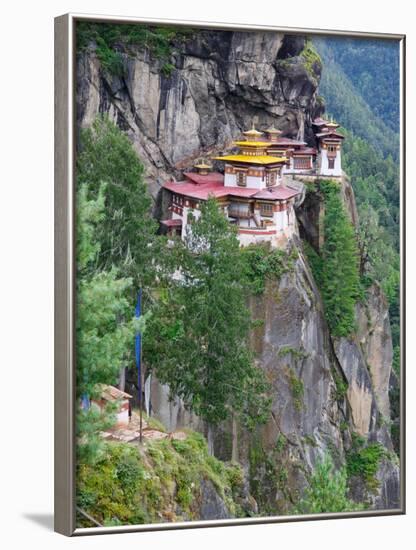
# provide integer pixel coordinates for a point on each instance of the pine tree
(340, 275)
(327, 491)
(127, 229)
(104, 324)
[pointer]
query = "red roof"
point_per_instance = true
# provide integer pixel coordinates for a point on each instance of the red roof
(330, 134)
(320, 121)
(305, 150)
(205, 190)
(110, 393)
(279, 193)
(287, 141)
(212, 177)
(201, 191)
(172, 223)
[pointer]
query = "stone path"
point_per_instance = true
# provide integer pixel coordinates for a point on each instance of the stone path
(131, 433)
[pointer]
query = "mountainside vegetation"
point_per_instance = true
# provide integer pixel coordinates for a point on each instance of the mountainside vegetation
(198, 342)
(372, 66)
(360, 83)
(335, 267)
(164, 480)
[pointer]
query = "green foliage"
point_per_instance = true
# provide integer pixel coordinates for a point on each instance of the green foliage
(364, 462)
(260, 263)
(315, 261)
(294, 352)
(102, 331)
(297, 389)
(372, 67)
(341, 386)
(102, 335)
(281, 443)
(336, 270)
(376, 186)
(158, 482)
(111, 40)
(348, 101)
(360, 82)
(327, 491)
(396, 360)
(104, 328)
(312, 60)
(198, 341)
(126, 231)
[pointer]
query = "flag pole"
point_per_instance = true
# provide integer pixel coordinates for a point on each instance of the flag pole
(141, 398)
(138, 346)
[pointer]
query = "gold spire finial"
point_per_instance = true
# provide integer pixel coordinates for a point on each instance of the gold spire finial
(203, 167)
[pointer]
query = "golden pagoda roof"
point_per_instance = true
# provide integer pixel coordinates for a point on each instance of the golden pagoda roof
(332, 124)
(273, 130)
(202, 165)
(244, 143)
(253, 132)
(248, 159)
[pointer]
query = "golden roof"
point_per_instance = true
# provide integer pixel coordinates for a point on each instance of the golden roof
(253, 143)
(248, 159)
(273, 130)
(252, 132)
(202, 165)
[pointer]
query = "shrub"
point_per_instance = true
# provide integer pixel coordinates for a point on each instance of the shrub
(261, 263)
(327, 491)
(297, 389)
(364, 462)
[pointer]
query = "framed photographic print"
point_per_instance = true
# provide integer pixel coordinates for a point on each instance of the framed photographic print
(229, 285)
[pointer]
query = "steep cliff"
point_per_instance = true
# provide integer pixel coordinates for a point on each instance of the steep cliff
(220, 83)
(330, 395)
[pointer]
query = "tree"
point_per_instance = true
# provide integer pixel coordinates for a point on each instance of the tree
(104, 322)
(127, 229)
(340, 275)
(199, 344)
(327, 491)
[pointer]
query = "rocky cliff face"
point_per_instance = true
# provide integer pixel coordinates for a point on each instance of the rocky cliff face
(325, 390)
(220, 84)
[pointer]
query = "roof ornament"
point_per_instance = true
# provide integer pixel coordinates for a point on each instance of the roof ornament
(203, 167)
(253, 134)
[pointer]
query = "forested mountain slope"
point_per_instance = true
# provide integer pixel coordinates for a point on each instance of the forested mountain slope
(361, 86)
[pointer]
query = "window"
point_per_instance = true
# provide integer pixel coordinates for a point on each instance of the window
(271, 179)
(302, 163)
(241, 179)
(266, 209)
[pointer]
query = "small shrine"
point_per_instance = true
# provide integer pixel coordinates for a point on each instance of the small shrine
(330, 142)
(119, 399)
